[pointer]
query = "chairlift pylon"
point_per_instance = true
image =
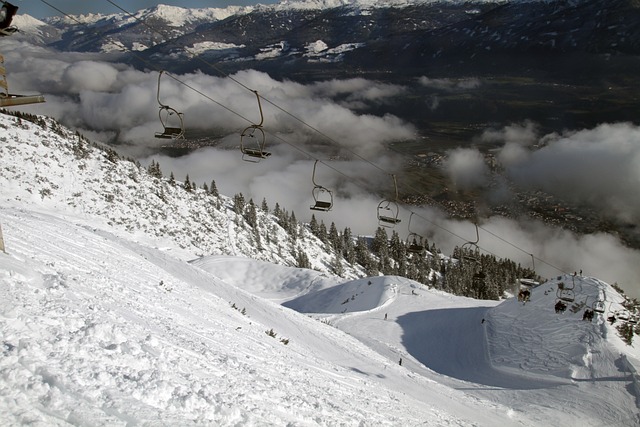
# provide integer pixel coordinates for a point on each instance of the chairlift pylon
(254, 152)
(171, 119)
(322, 197)
(415, 242)
(388, 209)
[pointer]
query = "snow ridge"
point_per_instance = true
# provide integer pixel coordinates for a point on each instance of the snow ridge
(126, 197)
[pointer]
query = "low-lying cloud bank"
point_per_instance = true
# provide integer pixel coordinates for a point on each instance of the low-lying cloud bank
(118, 104)
(598, 168)
(111, 102)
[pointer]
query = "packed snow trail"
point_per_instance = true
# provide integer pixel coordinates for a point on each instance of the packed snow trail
(457, 347)
(557, 364)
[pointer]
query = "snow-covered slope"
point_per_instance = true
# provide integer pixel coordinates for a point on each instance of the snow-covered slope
(57, 170)
(103, 324)
(97, 330)
(507, 352)
(107, 319)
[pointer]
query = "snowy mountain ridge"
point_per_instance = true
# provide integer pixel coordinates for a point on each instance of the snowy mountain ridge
(174, 15)
(125, 196)
(412, 35)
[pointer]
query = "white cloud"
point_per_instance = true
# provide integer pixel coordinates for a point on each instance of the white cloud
(466, 168)
(599, 167)
(89, 76)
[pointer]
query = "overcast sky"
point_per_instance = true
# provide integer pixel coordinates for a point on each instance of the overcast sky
(40, 9)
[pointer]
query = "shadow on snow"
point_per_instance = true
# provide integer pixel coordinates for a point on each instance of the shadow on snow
(452, 342)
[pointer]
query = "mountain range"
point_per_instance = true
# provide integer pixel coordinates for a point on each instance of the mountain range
(292, 38)
(547, 61)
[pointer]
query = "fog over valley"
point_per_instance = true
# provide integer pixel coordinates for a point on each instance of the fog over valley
(114, 103)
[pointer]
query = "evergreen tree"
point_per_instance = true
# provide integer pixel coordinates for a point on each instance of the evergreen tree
(334, 238)
(238, 203)
(265, 206)
(397, 249)
(172, 179)
(187, 184)
(293, 226)
(362, 253)
(213, 189)
(302, 259)
(322, 232)
(380, 243)
(336, 265)
(258, 239)
(348, 247)
(112, 155)
(154, 169)
(251, 214)
(313, 226)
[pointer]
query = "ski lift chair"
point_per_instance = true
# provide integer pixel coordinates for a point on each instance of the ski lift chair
(9, 100)
(415, 242)
(388, 210)
(599, 306)
(321, 205)
(565, 294)
(7, 12)
(254, 152)
(252, 143)
(174, 131)
(626, 316)
(172, 121)
(322, 197)
(471, 247)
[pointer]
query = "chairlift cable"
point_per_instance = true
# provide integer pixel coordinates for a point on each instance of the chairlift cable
(154, 67)
(300, 120)
(226, 75)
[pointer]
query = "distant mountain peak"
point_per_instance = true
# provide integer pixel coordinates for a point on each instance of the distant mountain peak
(178, 16)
